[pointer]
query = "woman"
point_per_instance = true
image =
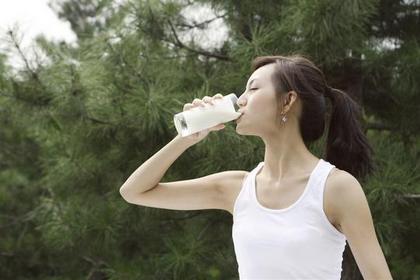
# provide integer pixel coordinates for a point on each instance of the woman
(293, 212)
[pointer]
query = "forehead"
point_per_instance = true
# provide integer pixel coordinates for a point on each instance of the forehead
(262, 74)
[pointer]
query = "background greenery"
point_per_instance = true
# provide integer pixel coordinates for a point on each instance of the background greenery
(75, 126)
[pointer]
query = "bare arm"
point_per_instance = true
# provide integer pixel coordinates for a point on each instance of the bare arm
(355, 219)
(149, 174)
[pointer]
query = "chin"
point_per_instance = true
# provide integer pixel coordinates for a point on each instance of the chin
(239, 130)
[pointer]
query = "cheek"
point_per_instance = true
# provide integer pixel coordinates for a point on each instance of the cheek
(264, 108)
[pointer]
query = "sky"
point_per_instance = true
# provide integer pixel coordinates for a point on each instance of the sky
(35, 17)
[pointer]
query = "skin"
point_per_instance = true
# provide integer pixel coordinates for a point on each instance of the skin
(288, 162)
(285, 152)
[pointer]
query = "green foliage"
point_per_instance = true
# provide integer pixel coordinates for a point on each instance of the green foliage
(75, 128)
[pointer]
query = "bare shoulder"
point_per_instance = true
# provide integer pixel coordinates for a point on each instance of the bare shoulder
(339, 179)
(230, 187)
(339, 183)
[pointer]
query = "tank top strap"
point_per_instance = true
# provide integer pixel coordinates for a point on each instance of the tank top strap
(319, 180)
(247, 182)
(244, 198)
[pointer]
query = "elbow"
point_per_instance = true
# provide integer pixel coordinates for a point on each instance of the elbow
(124, 194)
(129, 195)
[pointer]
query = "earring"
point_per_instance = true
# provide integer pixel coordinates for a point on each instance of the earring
(284, 119)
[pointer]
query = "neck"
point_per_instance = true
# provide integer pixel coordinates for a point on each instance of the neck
(286, 155)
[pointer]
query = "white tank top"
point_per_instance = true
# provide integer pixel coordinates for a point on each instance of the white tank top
(297, 242)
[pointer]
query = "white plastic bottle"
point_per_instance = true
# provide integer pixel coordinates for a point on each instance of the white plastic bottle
(199, 118)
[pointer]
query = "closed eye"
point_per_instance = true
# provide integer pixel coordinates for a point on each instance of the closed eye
(253, 88)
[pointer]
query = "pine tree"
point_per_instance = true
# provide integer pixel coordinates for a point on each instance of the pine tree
(75, 127)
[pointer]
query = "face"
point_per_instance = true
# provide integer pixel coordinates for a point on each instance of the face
(258, 103)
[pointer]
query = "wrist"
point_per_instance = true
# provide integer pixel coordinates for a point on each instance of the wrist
(182, 141)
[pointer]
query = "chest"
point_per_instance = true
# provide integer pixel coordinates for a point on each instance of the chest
(279, 195)
(284, 194)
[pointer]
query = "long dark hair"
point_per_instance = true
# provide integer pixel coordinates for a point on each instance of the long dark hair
(347, 146)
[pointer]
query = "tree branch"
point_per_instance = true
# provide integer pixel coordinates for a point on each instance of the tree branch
(201, 24)
(379, 126)
(97, 121)
(197, 51)
(16, 44)
(413, 195)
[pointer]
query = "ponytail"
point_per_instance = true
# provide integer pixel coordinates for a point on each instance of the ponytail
(347, 146)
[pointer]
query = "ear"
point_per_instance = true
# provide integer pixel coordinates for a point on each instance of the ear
(288, 100)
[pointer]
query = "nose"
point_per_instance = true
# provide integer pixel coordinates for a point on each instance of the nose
(240, 101)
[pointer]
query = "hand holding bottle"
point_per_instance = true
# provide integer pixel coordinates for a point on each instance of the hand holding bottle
(197, 103)
(204, 115)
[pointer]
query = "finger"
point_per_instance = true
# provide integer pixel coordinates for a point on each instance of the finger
(208, 99)
(188, 106)
(218, 127)
(217, 98)
(198, 102)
